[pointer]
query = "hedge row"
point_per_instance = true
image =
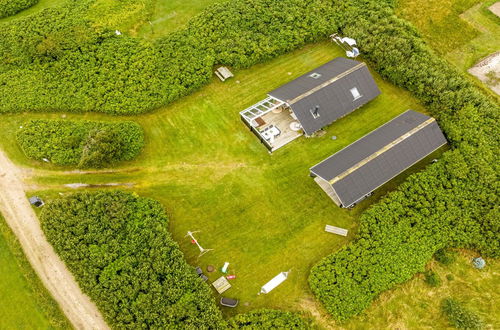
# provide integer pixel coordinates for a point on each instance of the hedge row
(58, 60)
(452, 203)
(80, 142)
(119, 249)
(268, 319)
(11, 7)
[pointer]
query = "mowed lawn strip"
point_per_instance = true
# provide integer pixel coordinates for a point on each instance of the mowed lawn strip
(486, 43)
(260, 212)
(24, 302)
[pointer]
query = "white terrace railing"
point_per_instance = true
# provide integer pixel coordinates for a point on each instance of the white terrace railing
(261, 108)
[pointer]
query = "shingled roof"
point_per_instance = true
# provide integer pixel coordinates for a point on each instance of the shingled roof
(326, 93)
(371, 161)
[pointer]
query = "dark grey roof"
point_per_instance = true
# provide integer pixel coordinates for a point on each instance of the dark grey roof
(368, 144)
(378, 169)
(330, 91)
(304, 83)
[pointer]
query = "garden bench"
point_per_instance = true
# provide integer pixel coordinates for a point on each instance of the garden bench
(336, 230)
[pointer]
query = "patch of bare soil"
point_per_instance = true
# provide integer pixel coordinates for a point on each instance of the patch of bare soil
(318, 314)
(488, 71)
(103, 171)
(21, 218)
(100, 185)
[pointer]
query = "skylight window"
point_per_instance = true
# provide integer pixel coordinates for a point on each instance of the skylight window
(355, 93)
(315, 75)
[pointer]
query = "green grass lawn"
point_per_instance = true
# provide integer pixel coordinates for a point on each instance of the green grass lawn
(24, 302)
(486, 43)
(170, 15)
(463, 31)
(260, 212)
(415, 305)
(439, 21)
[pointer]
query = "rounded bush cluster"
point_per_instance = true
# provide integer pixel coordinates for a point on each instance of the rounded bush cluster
(80, 143)
(11, 7)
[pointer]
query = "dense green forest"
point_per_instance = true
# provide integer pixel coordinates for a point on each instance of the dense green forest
(11, 7)
(119, 249)
(80, 142)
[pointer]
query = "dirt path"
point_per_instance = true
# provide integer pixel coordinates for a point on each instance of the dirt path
(488, 71)
(17, 211)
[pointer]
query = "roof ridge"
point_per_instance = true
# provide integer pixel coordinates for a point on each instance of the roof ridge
(381, 151)
(326, 83)
(361, 138)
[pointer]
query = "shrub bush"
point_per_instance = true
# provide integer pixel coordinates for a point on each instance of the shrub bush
(460, 317)
(119, 249)
(451, 203)
(268, 319)
(445, 256)
(59, 59)
(81, 143)
(432, 279)
(11, 7)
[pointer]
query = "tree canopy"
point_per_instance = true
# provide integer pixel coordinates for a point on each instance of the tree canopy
(11, 7)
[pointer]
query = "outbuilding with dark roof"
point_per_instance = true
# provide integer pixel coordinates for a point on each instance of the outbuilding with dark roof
(356, 171)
